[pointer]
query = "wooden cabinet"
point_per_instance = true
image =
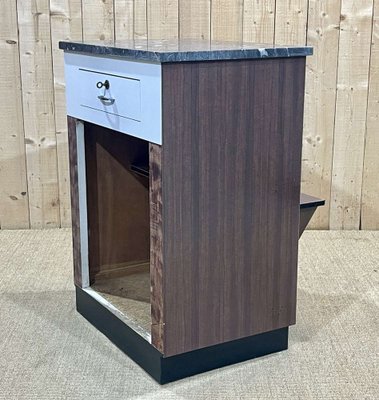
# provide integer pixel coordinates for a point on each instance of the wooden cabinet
(186, 198)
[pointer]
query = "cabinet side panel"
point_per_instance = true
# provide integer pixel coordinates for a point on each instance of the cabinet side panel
(156, 247)
(231, 185)
(72, 144)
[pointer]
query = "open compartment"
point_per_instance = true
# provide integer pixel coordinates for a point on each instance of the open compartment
(117, 190)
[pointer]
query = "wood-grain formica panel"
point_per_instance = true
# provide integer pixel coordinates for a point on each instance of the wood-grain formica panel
(230, 198)
(156, 247)
(74, 190)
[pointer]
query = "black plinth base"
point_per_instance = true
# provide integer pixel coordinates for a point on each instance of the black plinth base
(168, 369)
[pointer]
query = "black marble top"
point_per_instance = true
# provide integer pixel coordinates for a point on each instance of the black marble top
(163, 51)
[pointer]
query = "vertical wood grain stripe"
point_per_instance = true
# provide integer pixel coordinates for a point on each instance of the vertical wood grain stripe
(156, 247)
(226, 20)
(350, 119)
(66, 23)
(38, 105)
(259, 21)
(370, 189)
(14, 209)
(73, 153)
(163, 19)
(140, 19)
(194, 19)
(98, 19)
(229, 197)
(291, 22)
(124, 19)
(320, 98)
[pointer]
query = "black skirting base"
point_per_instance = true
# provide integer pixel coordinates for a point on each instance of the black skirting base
(168, 369)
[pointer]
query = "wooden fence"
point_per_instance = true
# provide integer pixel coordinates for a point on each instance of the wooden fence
(341, 127)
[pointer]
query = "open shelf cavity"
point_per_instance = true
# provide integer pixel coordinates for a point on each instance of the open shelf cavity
(118, 213)
(119, 225)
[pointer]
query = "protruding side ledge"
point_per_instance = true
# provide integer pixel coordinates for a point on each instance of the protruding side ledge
(308, 206)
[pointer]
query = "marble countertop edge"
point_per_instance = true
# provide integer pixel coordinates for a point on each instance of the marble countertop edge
(169, 52)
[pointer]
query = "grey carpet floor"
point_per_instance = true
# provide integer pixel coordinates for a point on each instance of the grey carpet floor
(47, 351)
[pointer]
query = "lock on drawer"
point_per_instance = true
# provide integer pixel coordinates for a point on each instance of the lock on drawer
(117, 95)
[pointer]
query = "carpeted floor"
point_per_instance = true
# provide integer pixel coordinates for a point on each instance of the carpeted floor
(47, 351)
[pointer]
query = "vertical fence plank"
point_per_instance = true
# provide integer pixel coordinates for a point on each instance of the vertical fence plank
(351, 107)
(195, 19)
(98, 19)
(140, 19)
(320, 98)
(162, 19)
(14, 208)
(370, 189)
(66, 24)
(291, 22)
(38, 106)
(226, 20)
(259, 21)
(124, 19)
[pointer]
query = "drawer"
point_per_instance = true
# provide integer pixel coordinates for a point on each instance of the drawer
(118, 95)
(121, 95)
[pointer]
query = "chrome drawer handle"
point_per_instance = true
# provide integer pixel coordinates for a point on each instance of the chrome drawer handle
(107, 101)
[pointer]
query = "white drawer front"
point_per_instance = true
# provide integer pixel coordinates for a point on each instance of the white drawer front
(129, 100)
(123, 96)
